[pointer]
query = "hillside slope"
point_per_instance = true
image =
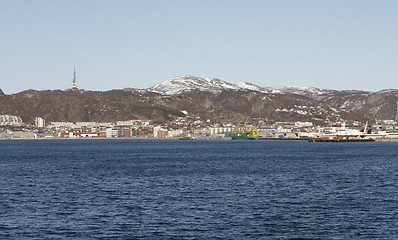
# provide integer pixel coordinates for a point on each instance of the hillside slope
(212, 99)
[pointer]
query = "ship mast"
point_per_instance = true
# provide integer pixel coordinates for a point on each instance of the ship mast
(365, 130)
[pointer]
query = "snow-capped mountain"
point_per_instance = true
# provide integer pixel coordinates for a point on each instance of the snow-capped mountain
(188, 83)
(250, 86)
(217, 101)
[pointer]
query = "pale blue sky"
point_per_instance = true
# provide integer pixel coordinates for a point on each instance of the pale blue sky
(337, 44)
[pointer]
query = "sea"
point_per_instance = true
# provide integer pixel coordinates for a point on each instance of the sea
(201, 189)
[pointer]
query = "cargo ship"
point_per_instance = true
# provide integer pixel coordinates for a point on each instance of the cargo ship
(243, 137)
(244, 133)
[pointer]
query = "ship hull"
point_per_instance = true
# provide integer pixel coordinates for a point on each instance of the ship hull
(341, 140)
(239, 137)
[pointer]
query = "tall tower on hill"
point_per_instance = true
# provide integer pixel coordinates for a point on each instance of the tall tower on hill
(74, 81)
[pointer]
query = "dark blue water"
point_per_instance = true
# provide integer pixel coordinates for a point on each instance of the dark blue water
(149, 189)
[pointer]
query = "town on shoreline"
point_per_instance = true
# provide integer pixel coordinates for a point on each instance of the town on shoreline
(189, 128)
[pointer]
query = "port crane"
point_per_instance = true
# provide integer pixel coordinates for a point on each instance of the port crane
(244, 132)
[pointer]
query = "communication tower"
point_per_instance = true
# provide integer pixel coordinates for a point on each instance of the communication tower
(74, 81)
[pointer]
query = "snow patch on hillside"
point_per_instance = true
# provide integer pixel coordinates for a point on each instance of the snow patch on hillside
(181, 84)
(188, 83)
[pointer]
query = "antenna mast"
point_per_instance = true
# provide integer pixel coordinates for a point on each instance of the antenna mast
(74, 82)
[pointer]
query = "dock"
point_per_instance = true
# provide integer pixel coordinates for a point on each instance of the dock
(341, 140)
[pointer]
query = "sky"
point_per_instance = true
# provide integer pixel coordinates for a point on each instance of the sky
(339, 44)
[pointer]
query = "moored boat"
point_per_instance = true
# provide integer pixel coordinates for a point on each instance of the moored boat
(187, 137)
(340, 139)
(243, 137)
(244, 132)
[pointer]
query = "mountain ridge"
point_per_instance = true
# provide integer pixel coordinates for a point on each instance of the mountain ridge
(186, 83)
(206, 98)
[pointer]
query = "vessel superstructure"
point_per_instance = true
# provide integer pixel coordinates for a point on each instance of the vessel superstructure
(244, 132)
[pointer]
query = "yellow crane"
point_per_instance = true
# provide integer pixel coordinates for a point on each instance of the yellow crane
(243, 133)
(235, 132)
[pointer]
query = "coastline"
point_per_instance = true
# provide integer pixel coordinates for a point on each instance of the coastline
(383, 140)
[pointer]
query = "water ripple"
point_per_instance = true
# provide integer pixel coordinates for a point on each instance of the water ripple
(194, 190)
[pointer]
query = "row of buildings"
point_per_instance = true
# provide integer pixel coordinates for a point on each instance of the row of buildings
(13, 127)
